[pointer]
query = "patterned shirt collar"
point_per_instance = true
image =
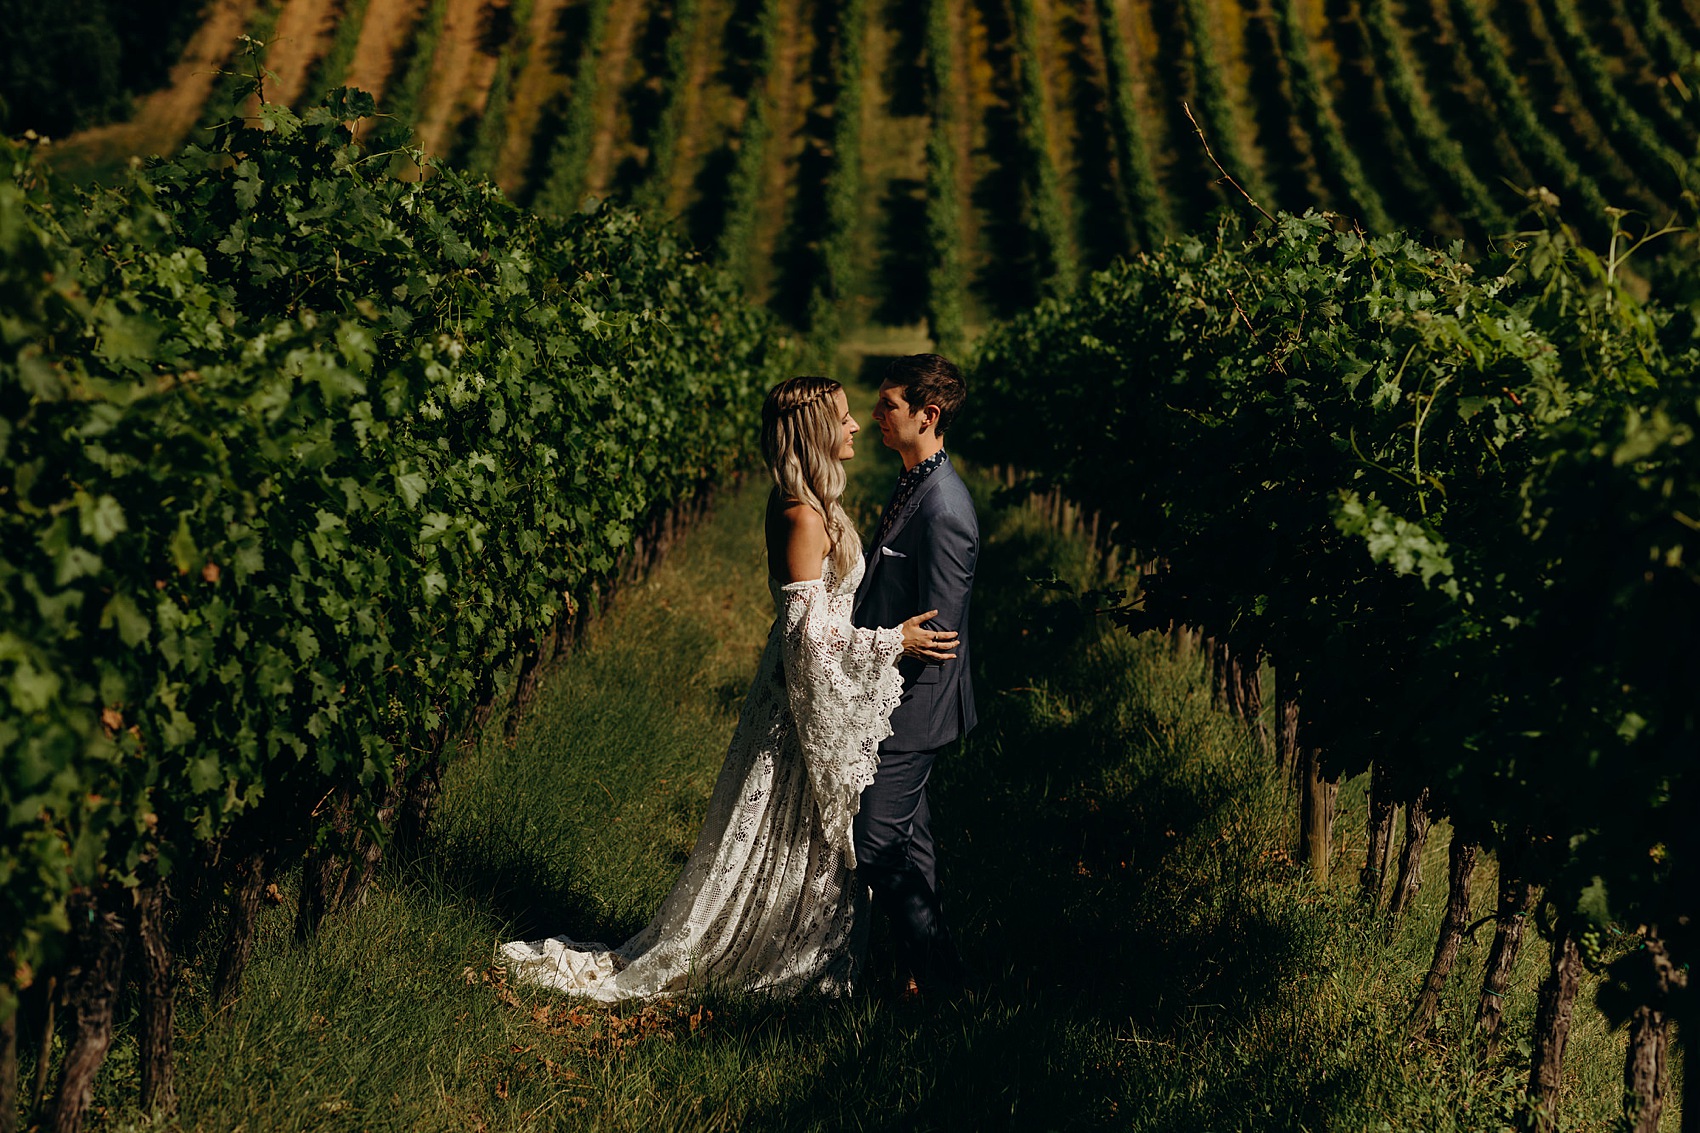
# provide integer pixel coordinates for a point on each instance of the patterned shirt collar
(926, 468)
(906, 485)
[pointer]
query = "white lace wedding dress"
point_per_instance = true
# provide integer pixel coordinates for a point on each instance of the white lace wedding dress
(767, 900)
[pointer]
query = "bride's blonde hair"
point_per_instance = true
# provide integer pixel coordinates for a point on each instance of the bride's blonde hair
(800, 434)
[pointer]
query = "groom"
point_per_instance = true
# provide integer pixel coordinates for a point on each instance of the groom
(921, 558)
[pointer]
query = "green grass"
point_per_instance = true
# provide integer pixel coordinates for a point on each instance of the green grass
(1113, 862)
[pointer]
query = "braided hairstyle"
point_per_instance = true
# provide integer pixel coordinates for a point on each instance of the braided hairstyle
(799, 440)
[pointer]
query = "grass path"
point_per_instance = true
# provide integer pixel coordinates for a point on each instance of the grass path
(1113, 854)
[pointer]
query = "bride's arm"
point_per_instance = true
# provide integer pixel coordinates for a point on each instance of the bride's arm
(796, 540)
(842, 684)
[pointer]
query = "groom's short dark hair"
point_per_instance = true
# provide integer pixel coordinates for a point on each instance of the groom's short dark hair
(929, 379)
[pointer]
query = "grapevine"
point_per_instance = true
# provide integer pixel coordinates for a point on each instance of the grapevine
(307, 460)
(1384, 468)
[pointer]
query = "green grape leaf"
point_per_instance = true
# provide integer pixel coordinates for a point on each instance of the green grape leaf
(133, 626)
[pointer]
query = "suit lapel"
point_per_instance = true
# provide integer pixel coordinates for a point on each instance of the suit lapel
(914, 504)
(875, 555)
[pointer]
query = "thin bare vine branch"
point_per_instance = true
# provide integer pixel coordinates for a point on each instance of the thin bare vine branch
(1226, 176)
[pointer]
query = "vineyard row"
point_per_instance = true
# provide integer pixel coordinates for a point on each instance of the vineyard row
(311, 470)
(1454, 509)
(1058, 123)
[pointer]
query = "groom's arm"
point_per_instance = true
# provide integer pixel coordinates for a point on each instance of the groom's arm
(945, 570)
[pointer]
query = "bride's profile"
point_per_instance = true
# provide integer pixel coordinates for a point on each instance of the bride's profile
(768, 899)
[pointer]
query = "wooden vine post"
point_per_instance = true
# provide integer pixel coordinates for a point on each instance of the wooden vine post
(1317, 795)
(1286, 727)
(1250, 698)
(1644, 1070)
(1223, 678)
(44, 1048)
(324, 874)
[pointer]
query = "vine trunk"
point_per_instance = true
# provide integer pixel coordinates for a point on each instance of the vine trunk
(159, 996)
(1382, 810)
(1417, 822)
(1552, 1031)
(1516, 899)
(98, 936)
(1461, 867)
(9, 1073)
(247, 881)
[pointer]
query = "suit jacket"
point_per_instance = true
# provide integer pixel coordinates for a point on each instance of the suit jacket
(926, 562)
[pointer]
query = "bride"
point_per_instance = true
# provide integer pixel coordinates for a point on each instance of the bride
(768, 899)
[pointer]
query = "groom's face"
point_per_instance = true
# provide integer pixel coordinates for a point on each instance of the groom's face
(900, 424)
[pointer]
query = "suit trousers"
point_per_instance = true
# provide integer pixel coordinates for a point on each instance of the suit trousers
(894, 856)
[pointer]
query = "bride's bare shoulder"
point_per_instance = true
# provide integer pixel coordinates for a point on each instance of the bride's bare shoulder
(796, 539)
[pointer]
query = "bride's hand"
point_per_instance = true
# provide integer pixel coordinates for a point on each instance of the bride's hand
(927, 644)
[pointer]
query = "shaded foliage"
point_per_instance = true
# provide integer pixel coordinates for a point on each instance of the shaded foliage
(68, 65)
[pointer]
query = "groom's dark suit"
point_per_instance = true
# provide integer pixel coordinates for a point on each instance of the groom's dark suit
(923, 560)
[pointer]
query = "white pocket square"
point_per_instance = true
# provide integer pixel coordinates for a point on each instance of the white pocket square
(892, 553)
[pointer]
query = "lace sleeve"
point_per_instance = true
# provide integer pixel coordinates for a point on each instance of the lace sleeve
(843, 685)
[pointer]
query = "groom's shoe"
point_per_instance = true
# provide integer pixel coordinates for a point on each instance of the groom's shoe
(940, 972)
(925, 950)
